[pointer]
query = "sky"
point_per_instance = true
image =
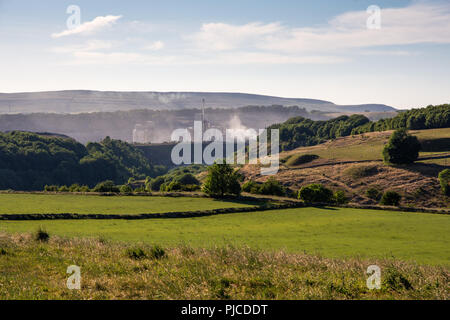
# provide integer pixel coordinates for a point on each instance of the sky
(348, 51)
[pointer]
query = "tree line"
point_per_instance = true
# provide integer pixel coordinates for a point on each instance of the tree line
(431, 117)
(301, 132)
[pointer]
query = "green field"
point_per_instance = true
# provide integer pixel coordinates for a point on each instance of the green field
(332, 232)
(85, 204)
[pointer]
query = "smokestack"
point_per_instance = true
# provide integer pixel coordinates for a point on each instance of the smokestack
(203, 111)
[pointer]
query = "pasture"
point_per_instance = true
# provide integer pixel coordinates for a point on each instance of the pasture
(330, 232)
(20, 203)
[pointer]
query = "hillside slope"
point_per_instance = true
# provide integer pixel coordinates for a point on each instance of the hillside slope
(30, 161)
(354, 164)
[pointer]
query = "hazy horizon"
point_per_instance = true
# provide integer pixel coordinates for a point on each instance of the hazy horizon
(298, 49)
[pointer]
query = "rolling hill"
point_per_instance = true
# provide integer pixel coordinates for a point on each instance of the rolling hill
(78, 101)
(354, 164)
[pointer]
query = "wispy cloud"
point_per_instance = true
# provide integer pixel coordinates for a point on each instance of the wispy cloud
(419, 23)
(89, 27)
(222, 36)
(337, 41)
(266, 58)
(91, 45)
(397, 53)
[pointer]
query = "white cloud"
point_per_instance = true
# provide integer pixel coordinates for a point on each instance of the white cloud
(222, 36)
(155, 46)
(90, 27)
(419, 23)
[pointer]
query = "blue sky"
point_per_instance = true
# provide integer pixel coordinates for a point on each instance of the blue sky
(306, 49)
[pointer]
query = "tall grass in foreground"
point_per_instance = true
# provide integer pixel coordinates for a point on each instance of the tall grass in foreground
(33, 269)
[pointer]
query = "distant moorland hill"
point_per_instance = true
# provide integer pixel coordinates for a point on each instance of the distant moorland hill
(78, 101)
(85, 127)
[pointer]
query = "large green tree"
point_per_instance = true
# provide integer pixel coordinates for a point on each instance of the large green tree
(402, 148)
(315, 193)
(222, 180)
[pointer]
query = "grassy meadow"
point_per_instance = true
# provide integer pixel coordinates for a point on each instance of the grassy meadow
(20, 203)
(331, 232)
(37, 270)
(301, 253)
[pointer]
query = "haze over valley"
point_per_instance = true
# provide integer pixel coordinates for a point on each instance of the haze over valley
(92, 115)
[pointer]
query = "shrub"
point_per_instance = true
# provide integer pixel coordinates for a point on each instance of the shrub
(269, 187)
(106, 186)
(187, 179)
(191, 187)
(85, 189)
(155, 184)
(298, 159)
(272, 187)
(291, 193)
(315, 193)
(444, 180)
(42, 235)
(63, 189)
(140, 189)
(157, 252)
(391, 198)
(136, 253)
(339, 197)
(177, 185)
(172, 186)
(126, 189)
(74, 187)
(395, 280)
(52, 188)
(402, 148)
(163, 187)
(251, 187)
(373, 194)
